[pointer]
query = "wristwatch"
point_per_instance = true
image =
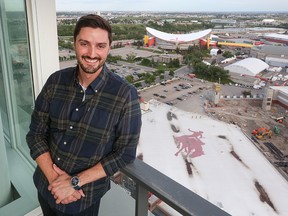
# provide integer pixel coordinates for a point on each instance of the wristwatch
(75, 181)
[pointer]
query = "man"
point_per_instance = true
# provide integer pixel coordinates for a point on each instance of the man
(85, 126)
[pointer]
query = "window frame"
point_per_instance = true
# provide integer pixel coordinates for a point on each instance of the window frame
(41, 15)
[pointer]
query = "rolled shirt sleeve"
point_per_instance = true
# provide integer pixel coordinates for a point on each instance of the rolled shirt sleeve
(127, 136)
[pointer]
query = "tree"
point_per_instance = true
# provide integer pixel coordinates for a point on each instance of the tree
(171, 73)
(174, 63)
(129, 78)
(160, 71)
(130, 57)
(128, 31)
(65, 30)
(145, 62)
(137, 85)
(114, 59)
(227, 54)
(149, 78)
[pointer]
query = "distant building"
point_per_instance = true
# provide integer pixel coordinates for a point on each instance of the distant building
(246, 70)
(272, 55)
(224, 21)
(169, 57)
(277, 62)
(214, 52)
(276, 56)
(278, 38)
(280, 95)
(172, 41)
(269, 50)
(268, 21)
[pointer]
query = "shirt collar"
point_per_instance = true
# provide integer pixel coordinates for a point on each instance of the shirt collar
(98, 83)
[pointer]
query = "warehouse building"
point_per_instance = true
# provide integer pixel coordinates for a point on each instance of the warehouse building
(275, 37)
(247, 70)
(264, 51)
(277, 62)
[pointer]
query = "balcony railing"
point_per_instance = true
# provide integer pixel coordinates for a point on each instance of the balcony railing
(178, 197)
(148, 179)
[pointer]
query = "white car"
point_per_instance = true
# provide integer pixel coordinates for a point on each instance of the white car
(257, 87)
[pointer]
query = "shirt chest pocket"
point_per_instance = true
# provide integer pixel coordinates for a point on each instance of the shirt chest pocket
(98, 125)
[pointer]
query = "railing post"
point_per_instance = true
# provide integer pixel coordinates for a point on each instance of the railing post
(141, 201)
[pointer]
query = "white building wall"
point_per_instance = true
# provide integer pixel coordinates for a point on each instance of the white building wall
(277, 62)
(43, 40)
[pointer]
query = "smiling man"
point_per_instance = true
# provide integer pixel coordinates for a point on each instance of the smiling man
(85, 126)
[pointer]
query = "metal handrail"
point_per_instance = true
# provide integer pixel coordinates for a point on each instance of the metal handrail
(178, 197)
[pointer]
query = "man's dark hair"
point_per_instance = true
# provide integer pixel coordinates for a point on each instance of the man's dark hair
(93, 21)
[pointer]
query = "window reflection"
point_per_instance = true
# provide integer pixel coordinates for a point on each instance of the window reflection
(3, 105)
(17, 95)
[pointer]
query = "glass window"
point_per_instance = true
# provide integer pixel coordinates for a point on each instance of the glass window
(16, 101)
(3, 105)
(16, 97)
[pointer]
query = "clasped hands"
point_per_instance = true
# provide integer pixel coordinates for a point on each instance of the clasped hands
(62, 189)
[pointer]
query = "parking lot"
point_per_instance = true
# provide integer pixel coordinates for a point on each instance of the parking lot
(190, 99)
(127, 50)
(188, 95)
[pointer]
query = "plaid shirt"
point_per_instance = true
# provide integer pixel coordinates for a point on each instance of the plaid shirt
(81, 128)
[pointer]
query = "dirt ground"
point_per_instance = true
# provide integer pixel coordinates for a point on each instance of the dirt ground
(249, 115)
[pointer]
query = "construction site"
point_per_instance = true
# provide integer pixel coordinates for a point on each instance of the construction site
(266, 129)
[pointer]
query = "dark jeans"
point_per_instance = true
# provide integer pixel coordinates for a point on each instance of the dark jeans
(48, 211)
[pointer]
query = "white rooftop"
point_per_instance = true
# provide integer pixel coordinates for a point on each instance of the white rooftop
(277, 36)
(283, 89)
(178, 38)
(225, 167)
(248, 66)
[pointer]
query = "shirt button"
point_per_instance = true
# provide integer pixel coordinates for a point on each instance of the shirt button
(71, 127)
(77, 109)
(65, 143)
(58, 159)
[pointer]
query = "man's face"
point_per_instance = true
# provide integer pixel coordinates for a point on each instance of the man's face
(92, 48)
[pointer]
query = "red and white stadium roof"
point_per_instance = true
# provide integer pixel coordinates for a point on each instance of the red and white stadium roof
(178, 38)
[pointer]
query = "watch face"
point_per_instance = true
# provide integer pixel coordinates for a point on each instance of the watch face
(75, 181)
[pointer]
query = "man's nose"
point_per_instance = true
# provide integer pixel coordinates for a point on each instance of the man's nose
(92, 52)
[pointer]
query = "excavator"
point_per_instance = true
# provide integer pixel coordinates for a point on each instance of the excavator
(262, 133)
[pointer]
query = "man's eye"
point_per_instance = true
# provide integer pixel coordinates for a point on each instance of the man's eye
(83, 44)
(101, 46)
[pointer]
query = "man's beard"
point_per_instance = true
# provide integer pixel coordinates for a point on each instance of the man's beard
(89, 69)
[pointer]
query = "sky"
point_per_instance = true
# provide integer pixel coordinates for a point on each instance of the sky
(173, 5)
(226, 168)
